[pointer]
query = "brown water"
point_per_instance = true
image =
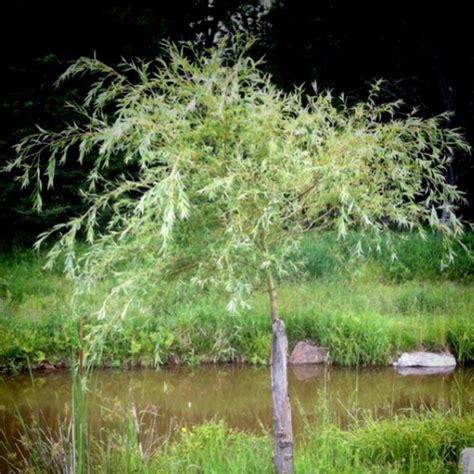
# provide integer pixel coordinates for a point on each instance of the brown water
(238, 394)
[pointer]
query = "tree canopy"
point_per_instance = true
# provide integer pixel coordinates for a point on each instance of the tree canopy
(222, 172)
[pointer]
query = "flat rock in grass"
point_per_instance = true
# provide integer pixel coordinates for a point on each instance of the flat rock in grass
(425, 359)
(307, 353)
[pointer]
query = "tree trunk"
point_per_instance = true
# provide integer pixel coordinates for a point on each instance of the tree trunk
(282, 427)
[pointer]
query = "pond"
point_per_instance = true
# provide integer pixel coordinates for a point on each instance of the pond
(240, 395)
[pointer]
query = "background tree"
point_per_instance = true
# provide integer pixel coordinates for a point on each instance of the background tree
(222, 175)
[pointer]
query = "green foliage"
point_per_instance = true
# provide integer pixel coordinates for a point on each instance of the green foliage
(364, 318)
(223, 173)
(411, 439)
(458, 337)
(405, 257)
(214, 448)
(413, 443)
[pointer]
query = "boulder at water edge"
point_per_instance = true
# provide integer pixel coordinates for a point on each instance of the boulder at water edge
(425, 359)
(306, 353)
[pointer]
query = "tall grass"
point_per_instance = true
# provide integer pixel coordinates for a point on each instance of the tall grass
(42, 448)
(400, 257)
(365, 311)
(423, 442)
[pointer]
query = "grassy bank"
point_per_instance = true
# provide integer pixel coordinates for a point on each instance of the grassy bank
(414, 443)
(365, 311)
(423, 443)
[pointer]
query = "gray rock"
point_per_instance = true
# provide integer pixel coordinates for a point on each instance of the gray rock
(467, 461)
(47, 366)
(425, 359)
(306, 353)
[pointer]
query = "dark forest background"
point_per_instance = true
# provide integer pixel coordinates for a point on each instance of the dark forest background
(423, 51)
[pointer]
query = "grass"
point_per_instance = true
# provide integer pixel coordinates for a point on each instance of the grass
(412, 442)
(361, 323)
(365, 312)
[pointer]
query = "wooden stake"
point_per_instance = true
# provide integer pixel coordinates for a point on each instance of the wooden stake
(282, 426)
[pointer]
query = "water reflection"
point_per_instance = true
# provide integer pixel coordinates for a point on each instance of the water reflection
(425, 370)
(240, 395)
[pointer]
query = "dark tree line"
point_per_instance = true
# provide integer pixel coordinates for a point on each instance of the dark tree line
(423, 51)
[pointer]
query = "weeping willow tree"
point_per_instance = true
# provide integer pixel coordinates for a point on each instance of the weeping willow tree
(223, 174)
